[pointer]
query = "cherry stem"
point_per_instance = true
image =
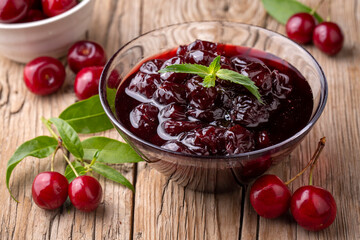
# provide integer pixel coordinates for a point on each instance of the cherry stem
(52, 158)
(46, 122)
(320, 146)
(71, 166)
(66, 158)
(96, 155)
(316, 7)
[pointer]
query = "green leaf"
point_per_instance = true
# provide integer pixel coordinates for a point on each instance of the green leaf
(215, 65)
(111, 174)
(282, 10)
(111, 96)
(87, 116)
(69, 173)
(69, 137)
(209, 81)
(238, 78)
(39, 147)
(197, 69)
(111, 151)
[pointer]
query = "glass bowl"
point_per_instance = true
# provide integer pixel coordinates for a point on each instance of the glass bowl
(210, 173)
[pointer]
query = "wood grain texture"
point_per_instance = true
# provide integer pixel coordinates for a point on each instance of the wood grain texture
(159, 13)
(160, 209)
(20, 113)
(165, 210)
(339, 125)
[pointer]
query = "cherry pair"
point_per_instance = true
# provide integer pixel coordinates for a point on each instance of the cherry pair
(14, 11)
(51, 189)
(86, 59)
(312, 207)
(45, 75)
(327, 36)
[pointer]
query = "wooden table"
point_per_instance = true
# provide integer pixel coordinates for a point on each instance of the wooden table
(160, 209)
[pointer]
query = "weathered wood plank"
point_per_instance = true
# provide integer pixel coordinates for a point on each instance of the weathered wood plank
(20, 113)
(164, 210)
(158, 13)
(339, 123)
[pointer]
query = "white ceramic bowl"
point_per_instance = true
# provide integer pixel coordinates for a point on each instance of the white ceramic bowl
(53, 36)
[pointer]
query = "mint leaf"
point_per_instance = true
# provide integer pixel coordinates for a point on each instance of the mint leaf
(110, 151)
(87, 116)
(282, 10)
(39, 147)
(238, 78)
(69, 137)
(209, 81)
(111, 174)
(197, 69)
(215, 65)
(69, 173)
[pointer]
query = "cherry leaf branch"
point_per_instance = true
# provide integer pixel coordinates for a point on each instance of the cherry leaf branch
(69, 137)
(87, 116)
(112, 174)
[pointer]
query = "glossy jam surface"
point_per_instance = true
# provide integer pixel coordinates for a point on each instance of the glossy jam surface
(174, 110)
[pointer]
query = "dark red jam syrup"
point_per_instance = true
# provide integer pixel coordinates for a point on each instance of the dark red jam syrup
(174, 110)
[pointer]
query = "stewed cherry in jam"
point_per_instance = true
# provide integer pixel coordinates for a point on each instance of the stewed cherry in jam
(176, 112)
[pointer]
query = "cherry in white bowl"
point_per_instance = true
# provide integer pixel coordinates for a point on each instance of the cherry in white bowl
(53, 36)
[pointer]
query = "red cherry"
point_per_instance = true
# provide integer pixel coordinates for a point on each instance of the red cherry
(263, 139)
(254, 168)
(114, 79)
(300, 27)
(313, 208)
(85, 193)
(55, 7)
(13, 10)
(50, 190)
(85, 54)
(35, 4)
(44, 75)
(34, 15)
(87, 82)
(328, 37)
(269, 196)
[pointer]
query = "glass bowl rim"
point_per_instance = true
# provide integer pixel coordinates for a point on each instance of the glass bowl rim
(259, 152)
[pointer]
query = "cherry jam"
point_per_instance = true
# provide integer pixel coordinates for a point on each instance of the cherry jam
(175, 111)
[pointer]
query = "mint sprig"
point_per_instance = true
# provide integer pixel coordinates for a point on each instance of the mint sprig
(209, 74)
